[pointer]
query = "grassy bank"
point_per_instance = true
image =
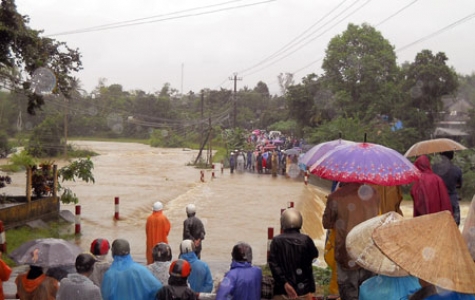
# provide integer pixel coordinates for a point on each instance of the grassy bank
(17, 236)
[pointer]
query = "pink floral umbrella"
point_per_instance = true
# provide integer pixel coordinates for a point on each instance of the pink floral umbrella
(366, 163)
(316, 152)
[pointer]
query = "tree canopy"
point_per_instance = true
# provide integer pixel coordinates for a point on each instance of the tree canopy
(360, 69)
(23, 52)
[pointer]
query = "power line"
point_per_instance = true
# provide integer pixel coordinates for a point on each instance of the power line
(140, 22)
(311, 40)
(283, 48)
(396, 13)
(450, 26)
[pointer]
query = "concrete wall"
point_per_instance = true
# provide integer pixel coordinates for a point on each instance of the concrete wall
(19, 214)
(33, 209)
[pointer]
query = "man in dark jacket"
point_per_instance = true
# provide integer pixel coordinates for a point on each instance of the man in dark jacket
(452, 177)
(290, 259)
(193, 229)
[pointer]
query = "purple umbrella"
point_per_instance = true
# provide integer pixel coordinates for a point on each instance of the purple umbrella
(366, 163)
(316, 152)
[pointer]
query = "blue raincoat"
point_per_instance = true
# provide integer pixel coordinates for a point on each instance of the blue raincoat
(200, 279)
(242, 282)
(127, 280)
(388, 288)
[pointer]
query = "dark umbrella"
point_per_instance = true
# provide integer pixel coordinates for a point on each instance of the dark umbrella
(47, 252)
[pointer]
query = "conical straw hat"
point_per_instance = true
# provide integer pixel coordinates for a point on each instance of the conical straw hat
(361, 248)
(468, 231)
(431, 248)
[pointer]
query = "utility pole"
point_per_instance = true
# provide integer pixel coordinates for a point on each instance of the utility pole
(202, 114)
(66, 112)
(235, 78)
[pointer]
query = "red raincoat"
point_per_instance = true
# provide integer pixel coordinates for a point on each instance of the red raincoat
(5, 272)
(429, 192)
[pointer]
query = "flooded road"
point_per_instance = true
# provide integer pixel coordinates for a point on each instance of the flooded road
(233, 207)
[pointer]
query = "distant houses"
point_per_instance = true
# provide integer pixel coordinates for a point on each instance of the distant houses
(454, 117)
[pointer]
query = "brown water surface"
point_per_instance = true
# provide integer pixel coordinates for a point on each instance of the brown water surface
(234, 207)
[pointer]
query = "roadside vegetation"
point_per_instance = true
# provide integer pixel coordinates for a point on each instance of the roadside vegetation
(17, 236)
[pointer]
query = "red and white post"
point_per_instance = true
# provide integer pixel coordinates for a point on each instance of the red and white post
(78, 220)
(116, 208)
(290, 204)
(270, 236)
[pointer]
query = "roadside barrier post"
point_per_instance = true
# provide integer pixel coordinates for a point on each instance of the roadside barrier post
(3, 238)
(290, 204)
(116, 208)
(222, 166)
(78, 220)
(270, 235)
(202, 176)
(212, 173)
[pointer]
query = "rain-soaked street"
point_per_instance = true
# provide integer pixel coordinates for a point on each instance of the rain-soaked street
(234, 207)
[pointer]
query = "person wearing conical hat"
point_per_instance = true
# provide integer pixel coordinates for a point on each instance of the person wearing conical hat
(431, 248)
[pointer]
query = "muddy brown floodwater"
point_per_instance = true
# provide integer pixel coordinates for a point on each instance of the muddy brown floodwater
(233, 207)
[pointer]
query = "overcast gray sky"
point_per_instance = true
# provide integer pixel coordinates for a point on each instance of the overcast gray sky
(200, 44)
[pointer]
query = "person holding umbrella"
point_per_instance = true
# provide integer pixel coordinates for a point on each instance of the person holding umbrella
(452, 177)
(36, 285)
(348, 206)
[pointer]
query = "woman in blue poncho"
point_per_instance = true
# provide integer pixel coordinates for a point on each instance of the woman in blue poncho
(127, 279)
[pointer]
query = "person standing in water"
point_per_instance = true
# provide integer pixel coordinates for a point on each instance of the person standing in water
(157, 229)
(193, 229)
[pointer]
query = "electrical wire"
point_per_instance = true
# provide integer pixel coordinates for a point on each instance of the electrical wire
(436, 33)
(127, 24)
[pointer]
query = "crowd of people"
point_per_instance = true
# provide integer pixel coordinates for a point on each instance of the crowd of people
(187, 277)
(291, 254)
